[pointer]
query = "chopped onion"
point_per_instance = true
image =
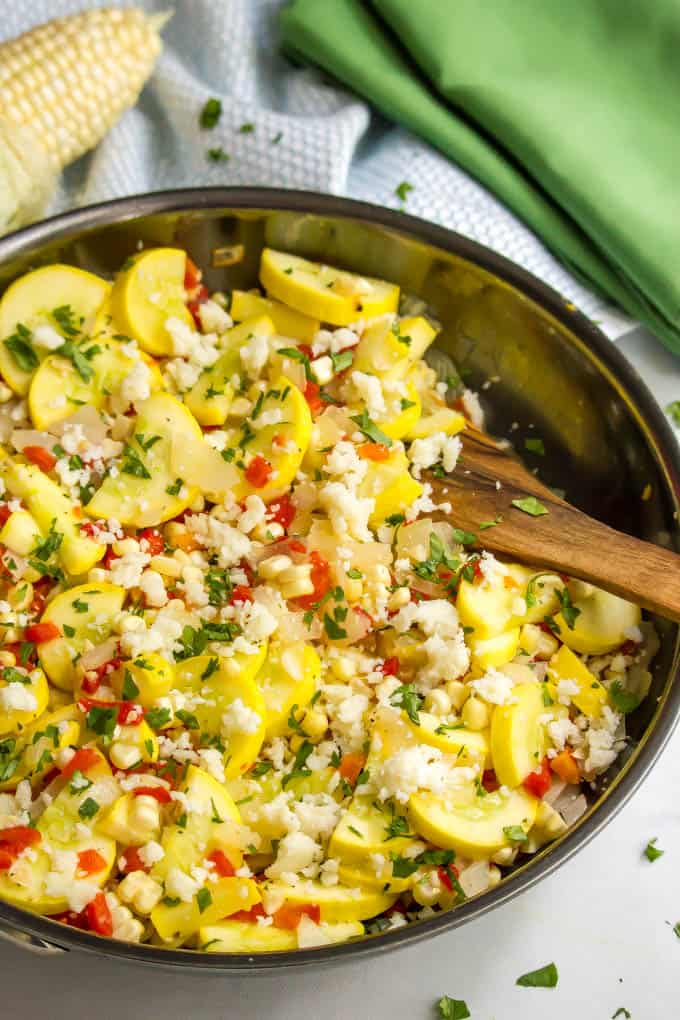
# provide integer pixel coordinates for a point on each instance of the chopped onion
(97, 656)
(22, 438)
(414, 539)
(571, 804)
(555, 790)
(475, 878)
(94, 429)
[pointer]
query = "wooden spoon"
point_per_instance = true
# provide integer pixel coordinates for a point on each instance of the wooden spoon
(564, 539)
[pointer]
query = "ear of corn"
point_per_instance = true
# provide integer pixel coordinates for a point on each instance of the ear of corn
(62, 87)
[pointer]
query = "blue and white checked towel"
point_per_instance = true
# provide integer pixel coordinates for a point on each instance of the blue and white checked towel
(328, 139)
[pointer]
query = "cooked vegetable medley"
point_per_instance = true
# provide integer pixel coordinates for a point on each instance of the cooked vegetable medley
(252, 696)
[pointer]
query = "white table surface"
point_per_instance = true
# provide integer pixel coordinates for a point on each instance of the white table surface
(605, 919)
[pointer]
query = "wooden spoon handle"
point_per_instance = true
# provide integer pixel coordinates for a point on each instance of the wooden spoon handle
(564, 539)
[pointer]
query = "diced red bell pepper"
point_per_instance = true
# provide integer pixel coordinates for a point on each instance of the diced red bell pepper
(296, 546)
(351, 765)
(390, 666)
(132, 861)
(538, 783)
(155, 543)
(41, 589)
(5, 513)
(41, 457)
(82, 760)
(41, 632)
(313, 397)
(129, 713)
(249, 915)
(489, 781)
(90, 862)
(282, 511)
(240, 593)
(258, 471)
(159, 793)
(98, 915)
(445, 877)
(320, 577)
(13, 841)
(223, 866)
(290, 914)
(374, 451)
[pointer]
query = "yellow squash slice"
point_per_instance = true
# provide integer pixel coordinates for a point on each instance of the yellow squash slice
(288, 677)
(148, 292)
(602, 624)
(209, 399)
(31, 688)
(221, 681)
(218, 900)
(249, 937)
(336, 902)
(29, 302)
(36, 746)
(84, 615)
(471, 824)
(144, 491)
(391, 485)
(564, 665)
(390, 349)
(286, 321)
(517, 734)
(52, 509)
(324, 292)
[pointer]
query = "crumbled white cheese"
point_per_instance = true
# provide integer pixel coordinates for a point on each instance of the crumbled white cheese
(255, 355)
(239, 718)
(494, 687)
(296, 852)
(47, 337)
(370, 390)
(347, 512)
(137, 383)
(213, 317)
(424, 453)
(16, 697)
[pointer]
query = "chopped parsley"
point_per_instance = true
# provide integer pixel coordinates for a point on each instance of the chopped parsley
(130, 689)
(535, 445)
(402, 190)
(544, 977)
(568, 609)
(203, 899)
(246, 129)
(342, 360)
(20, 347)
(515, 833)
(102, 721)
(623, 701)
(452, 1009)
(622, 1011)
(218, 155)
(132, 464)
(299, 768)
(157, 717)
(89, 808)
(210, 114)
(407, 697)
(333, 629)
(370, 429)
(174, 489)
(672, 409)
(652, 852)
(397, 827)
(530, 505)
(260, 768)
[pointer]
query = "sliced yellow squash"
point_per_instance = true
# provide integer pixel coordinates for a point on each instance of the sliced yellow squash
(51, 508)
(37, 744)
(214, 901)
(148, 292)
(517, 734)
(336, 902)
(221, 681)
(473, 825)
(288, 677)
(389, 349)
(592, 695)
(602, 624)
(209, 399)
(249, 937)
(144, 491)
(324, 292)
(29, 689)
(494, 651)
(286, 321)
(391, 485)
(84, 615)
(29, 303)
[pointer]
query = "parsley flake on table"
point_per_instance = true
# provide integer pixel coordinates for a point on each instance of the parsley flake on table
(673, 411)
(452, 1009)
(543, 977)
(676, 929)
(402, 190)
(530, 505)
(622, 1011)
(210, 114)
(218, 155)
(652, 852)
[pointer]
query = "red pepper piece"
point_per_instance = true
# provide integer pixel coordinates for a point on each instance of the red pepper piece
(538, 783)
(98, 915)
(40, 632)
(41, 457)
(223, 866)
(258, 471)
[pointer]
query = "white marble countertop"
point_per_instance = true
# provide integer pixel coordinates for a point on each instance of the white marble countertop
(606, 919)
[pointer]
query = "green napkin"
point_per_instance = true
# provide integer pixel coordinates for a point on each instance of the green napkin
(566, 111)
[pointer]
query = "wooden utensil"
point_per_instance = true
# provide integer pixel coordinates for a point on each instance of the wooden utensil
(564, 539)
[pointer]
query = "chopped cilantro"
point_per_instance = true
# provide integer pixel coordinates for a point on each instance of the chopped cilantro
(370, 429)
(568, 609)
(203, 899)
(623, 701)
(218, 155)
(398, 826)
(652, 852)
(89, 808)
(544, 977)
(174, 489)
(334, 631)
(246, 129)
(102, 720)
(402, 190)
(452, 1009)
(132, 464)
(20, 347)
(407, 697)
(157, 717)
(515, 833)
(130, 689)
(530, 505)
(210, 114)
(260, 768)
(342, 360)
(535, 445)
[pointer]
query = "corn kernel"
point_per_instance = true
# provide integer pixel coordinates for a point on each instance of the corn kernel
(315, 724)
(438, 702)
(166, 565)
(458, 693)
(273, 566)
(475, 714)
